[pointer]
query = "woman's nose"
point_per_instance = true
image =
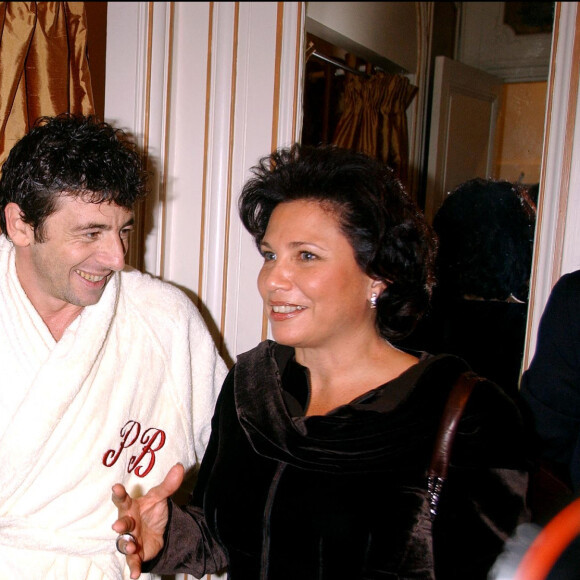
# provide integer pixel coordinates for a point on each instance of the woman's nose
(275, 275)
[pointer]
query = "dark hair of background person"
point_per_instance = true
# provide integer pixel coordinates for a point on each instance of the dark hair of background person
(486, 236)
(479, 307)
(70, 155)
(390, 238)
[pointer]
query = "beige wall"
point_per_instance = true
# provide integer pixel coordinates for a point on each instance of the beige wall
(520, 133)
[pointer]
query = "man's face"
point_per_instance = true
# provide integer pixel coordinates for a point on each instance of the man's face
(84, 243)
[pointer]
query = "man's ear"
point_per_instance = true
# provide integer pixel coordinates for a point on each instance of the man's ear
(21, 233)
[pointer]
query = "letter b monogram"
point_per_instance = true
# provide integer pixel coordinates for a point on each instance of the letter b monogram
(151, 441)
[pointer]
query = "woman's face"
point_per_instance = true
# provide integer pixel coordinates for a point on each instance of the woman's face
(314, 292)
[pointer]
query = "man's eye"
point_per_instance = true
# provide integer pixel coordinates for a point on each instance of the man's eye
(92, 235)
(126, 232)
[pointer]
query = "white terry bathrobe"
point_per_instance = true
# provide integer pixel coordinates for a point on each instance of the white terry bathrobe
(127, 392)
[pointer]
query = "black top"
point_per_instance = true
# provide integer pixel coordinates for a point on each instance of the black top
(488, 334)
(551, 385)
(343, 496)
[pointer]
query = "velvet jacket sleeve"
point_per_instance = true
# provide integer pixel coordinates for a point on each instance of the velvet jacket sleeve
(551, 385)
(189, 546)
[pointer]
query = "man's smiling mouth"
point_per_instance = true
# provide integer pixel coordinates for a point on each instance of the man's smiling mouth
(89, 277)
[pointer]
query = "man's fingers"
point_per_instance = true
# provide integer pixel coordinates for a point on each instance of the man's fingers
(120, 497)
(132, 512)
(134, 563)
(171, 483)
(124, 525)
(167, 487)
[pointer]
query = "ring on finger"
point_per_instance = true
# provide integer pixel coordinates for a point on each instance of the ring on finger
(123, 540)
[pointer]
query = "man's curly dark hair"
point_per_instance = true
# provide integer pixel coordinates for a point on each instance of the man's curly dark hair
(486, 238)
(70, 155)
(390, 238)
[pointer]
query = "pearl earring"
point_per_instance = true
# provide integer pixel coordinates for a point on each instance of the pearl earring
(373, 300)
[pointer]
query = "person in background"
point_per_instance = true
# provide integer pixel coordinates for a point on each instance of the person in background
(108, 374)
(479, 310)
(321, 441)
(551, 384)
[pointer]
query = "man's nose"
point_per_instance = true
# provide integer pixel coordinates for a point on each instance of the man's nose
(113, 252)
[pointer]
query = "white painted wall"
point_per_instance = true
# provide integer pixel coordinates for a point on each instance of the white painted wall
(208, 89)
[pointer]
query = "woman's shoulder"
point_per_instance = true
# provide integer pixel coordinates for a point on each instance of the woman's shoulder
(422, 389)
(437, 370)
(488, 407)
(261, 365)
(446, 369)
(266, 352)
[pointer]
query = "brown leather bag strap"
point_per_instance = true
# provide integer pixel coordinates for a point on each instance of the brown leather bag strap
(452, 412)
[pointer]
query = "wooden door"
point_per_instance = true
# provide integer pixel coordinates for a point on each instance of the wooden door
(464, 114)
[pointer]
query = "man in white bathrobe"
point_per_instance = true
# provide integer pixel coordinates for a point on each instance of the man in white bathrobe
(107, 374)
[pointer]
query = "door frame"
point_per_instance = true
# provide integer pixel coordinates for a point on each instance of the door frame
(557, 242)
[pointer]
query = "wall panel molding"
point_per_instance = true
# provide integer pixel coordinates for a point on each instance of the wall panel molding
(207, 88)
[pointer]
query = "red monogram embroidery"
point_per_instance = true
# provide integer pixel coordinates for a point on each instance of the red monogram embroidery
(152, 440)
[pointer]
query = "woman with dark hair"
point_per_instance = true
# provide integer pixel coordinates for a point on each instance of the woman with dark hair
(322, 438)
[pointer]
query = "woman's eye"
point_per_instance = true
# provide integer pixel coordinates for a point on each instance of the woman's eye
(307, 256)
(268, 256)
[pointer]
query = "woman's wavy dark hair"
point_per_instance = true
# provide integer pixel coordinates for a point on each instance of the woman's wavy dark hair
(70, 155)
(390, 238)
(486, 239)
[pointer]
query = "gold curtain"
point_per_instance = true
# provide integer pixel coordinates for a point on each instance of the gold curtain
(374, 119)
(44, 68)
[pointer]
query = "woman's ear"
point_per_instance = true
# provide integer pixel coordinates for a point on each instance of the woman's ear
(21, 233)
(378, 285)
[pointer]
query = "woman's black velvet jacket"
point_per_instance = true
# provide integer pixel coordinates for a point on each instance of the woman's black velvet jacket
(343, 496)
